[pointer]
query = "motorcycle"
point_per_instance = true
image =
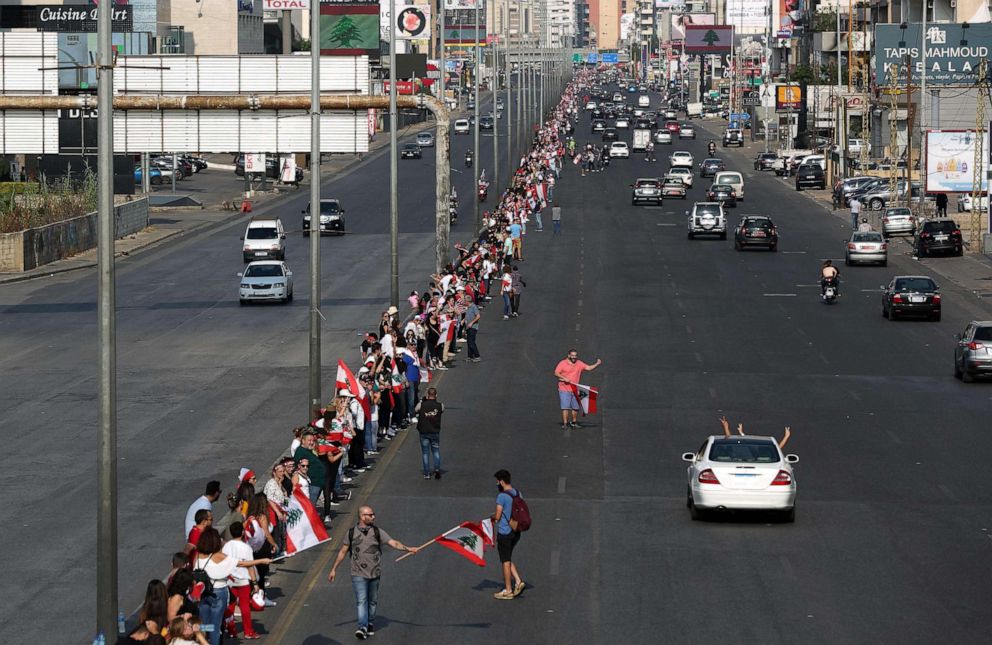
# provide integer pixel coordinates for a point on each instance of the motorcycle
(468, 159)
(483, 192)
(712, 148)
(453, 213)
(829, 292)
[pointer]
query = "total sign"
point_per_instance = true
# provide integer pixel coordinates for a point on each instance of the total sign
(282, 5)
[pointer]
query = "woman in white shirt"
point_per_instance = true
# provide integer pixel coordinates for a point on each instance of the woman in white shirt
(218, 566)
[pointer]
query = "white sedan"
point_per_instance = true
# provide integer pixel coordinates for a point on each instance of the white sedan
(685, 174)
(741, 472)
(662, 136)
(680, 159)
(619, 149)
(266, 280)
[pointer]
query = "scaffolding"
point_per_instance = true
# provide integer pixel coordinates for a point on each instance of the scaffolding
(977, 238)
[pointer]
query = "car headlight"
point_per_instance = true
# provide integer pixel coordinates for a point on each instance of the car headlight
(279, 284)
(246, 248)
(245, 285)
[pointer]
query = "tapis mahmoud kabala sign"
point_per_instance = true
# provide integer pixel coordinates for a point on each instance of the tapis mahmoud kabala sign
(953, 52)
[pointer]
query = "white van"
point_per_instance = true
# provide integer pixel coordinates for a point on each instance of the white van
(731, 178)
(264, 239)
(643, 101)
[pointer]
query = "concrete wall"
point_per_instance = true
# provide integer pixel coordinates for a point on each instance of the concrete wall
(26, 250)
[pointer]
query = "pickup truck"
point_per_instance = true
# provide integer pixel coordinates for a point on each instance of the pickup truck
(641, 138)
(694, 110)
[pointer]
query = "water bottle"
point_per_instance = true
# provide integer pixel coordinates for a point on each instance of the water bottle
(121, 623)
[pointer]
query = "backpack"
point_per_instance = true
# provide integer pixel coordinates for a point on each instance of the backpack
(519, 514)
(351, 538)
(201, 577)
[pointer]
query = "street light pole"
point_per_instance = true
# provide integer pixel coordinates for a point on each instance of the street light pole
(478, 151)
(314, 390)
(495, 92)
(394, 206)
(106, 515)
(508, 64)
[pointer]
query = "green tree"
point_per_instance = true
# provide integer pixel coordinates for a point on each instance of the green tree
(344, 33)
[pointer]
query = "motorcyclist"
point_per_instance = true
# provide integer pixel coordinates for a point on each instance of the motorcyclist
(454, 196)
(829, 274)
(649, 151)
(711, 147)
(468, 158)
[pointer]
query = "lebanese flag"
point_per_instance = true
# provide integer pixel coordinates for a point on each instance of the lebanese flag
(425, 374)
(346, 381)
(303, 526)
(587, 398)
(394, 378)
(447, 332)
(488, 532)
(468, 540)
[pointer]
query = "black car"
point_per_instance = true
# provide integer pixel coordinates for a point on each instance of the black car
(485, 123)
(810, 176)
(756, 230)
(410, 151)
(331, 218)
(938, 236)
(723, 194)
(911, 295)
(709, 167)
(610, 134)
(598, 125)
(597, 114)
(765, 161)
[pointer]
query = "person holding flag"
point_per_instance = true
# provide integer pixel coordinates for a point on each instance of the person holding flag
(568, 372)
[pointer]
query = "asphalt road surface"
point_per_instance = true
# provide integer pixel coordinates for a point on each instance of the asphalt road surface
(891, 541)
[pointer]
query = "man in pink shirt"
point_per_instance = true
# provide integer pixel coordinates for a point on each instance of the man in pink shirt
(568, 373)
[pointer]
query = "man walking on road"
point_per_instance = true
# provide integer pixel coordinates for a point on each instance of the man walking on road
(855, 212)
(364, 543)
(568, 372)
(506, 537)
(472, 318)
(556, 219)
(429, 411)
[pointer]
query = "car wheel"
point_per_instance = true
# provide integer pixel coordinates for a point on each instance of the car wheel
(885, 312)
(893, 316)
(290, 298)
(737, 245)
(958, 374)
(875, 204)
(695, 513)
(789, 516)
(690, 235)
(156, 181)
(723, 236)
(306, 233)
(935, 317)
(633, 202)
(847, 261)
(967, 376)
(883, 263)
(773, 248)
(798, 188)
(959, 252)
(242, 303)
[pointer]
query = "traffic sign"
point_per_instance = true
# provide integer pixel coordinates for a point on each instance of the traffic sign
(740, 116)
(751, 101)
(610, 58)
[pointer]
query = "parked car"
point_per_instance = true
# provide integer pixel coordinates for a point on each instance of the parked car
(331, 218)
(673, 187)
(941, 235)
(154, 175)
(723, 194)
(646, 189)
(410, 151)
(765, 161)
(913, 295)
(756, 230)
(810, 176)
(898, 219)
(265, 280)
(709, 167)
(707, 218)
(740, 473)
(965, 202)
(973, 352)
(868, 247)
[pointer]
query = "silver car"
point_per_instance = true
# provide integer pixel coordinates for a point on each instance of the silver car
(266, 280)
(867, 248)
(662, 136)
(426, 139)
(898, 220)
(973, 353)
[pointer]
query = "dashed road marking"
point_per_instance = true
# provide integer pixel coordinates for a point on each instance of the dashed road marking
(712, 392)
(894, 437)
(561, 485)
(555, 562)
(699, 358)
(779, 295)
(947, 492)
(578, 326)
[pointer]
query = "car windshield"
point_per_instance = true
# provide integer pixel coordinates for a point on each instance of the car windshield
(675, 181)
(744, 451)
(427, 135)
(260, 233)
(410, 146)
(728, 179)
(768, 155)
(721, 188)
(712, 162)
(679, 171)
(983, 333)
(755, 224)
(946, 226)
(707, 210)
(898, 212)
(915, 284)
(328, 208)
(866, 237)
(264, 271)
(647, 183)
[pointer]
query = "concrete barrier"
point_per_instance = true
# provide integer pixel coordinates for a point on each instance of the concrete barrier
(35, 247)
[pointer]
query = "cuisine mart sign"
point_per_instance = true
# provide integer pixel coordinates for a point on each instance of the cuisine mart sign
(953, 52)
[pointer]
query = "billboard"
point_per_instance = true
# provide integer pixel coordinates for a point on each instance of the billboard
(788, 97)
(679, 21)
(953, 52)
(709, 39)
(950, 162)
(788, 15)
(69, 18)
(748, 16)
(672, 5)
(413, 22)
(349, 29)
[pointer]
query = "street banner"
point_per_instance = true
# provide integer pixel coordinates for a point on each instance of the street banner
(254, 162)
(950, 162)
(788, 97)
(954, 52)
(467, 540)
(709, 39)
(304, 529)
(413, 22)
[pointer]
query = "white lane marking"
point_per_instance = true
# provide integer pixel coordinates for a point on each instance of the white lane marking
(854, 395)
(555, 562)
(824, 359)
(779, 295)
(582, 283)
(895, 438)
(947, 492)
(688, 329)
(872, 290)
(665, 224)
(794, 252)
(699, 359)
(580, 302)
(561, 485)
(712, 393)
(652, 208)
(787, 569)
(578, 326)
(807, 286)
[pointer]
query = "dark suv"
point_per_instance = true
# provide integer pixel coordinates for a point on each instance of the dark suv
(755, 230)
(810, 176)
(765, 161)
(938, 235)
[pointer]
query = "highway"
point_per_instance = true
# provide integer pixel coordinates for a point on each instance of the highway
(890, 544)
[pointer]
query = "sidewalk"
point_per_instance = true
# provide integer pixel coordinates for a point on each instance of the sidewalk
(165, 223)
(972, 271)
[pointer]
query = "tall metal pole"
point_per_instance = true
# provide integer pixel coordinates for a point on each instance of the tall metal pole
(508, 64)
(314, 393)
(394, 217)
(106, 515)
(923, 109)
(495, 92)
(287, 32)
(475, 133)
(440, 42)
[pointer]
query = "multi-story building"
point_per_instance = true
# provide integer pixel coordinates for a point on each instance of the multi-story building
(582, 33)
(604, 16)
(559, 22)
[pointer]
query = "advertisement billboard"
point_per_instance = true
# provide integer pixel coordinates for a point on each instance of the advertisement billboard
(950, 162)
(349, 29)
(78, 18)
(709, 39)
(953, 52)
(671, 5)
(788, 14)
(788, 97)
(748, 16)
(679, 21)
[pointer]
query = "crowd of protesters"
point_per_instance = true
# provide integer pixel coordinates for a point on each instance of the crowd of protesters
(217, 577)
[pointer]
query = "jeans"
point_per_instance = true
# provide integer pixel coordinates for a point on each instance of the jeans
(372, 435)
(411, 398)
(556, 223)
(854, 220)
(314, 494)
(366, 598)
(430, 442)
(473, 349)
(506, 304)
(212, 612)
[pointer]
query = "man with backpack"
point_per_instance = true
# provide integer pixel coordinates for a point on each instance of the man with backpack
(364, 543)
(512, 517)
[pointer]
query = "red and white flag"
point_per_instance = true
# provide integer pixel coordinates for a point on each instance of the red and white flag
(346, 381)
(468, 540)
(303, 526)
(394, 378)
(447, 332)
(587, 398)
